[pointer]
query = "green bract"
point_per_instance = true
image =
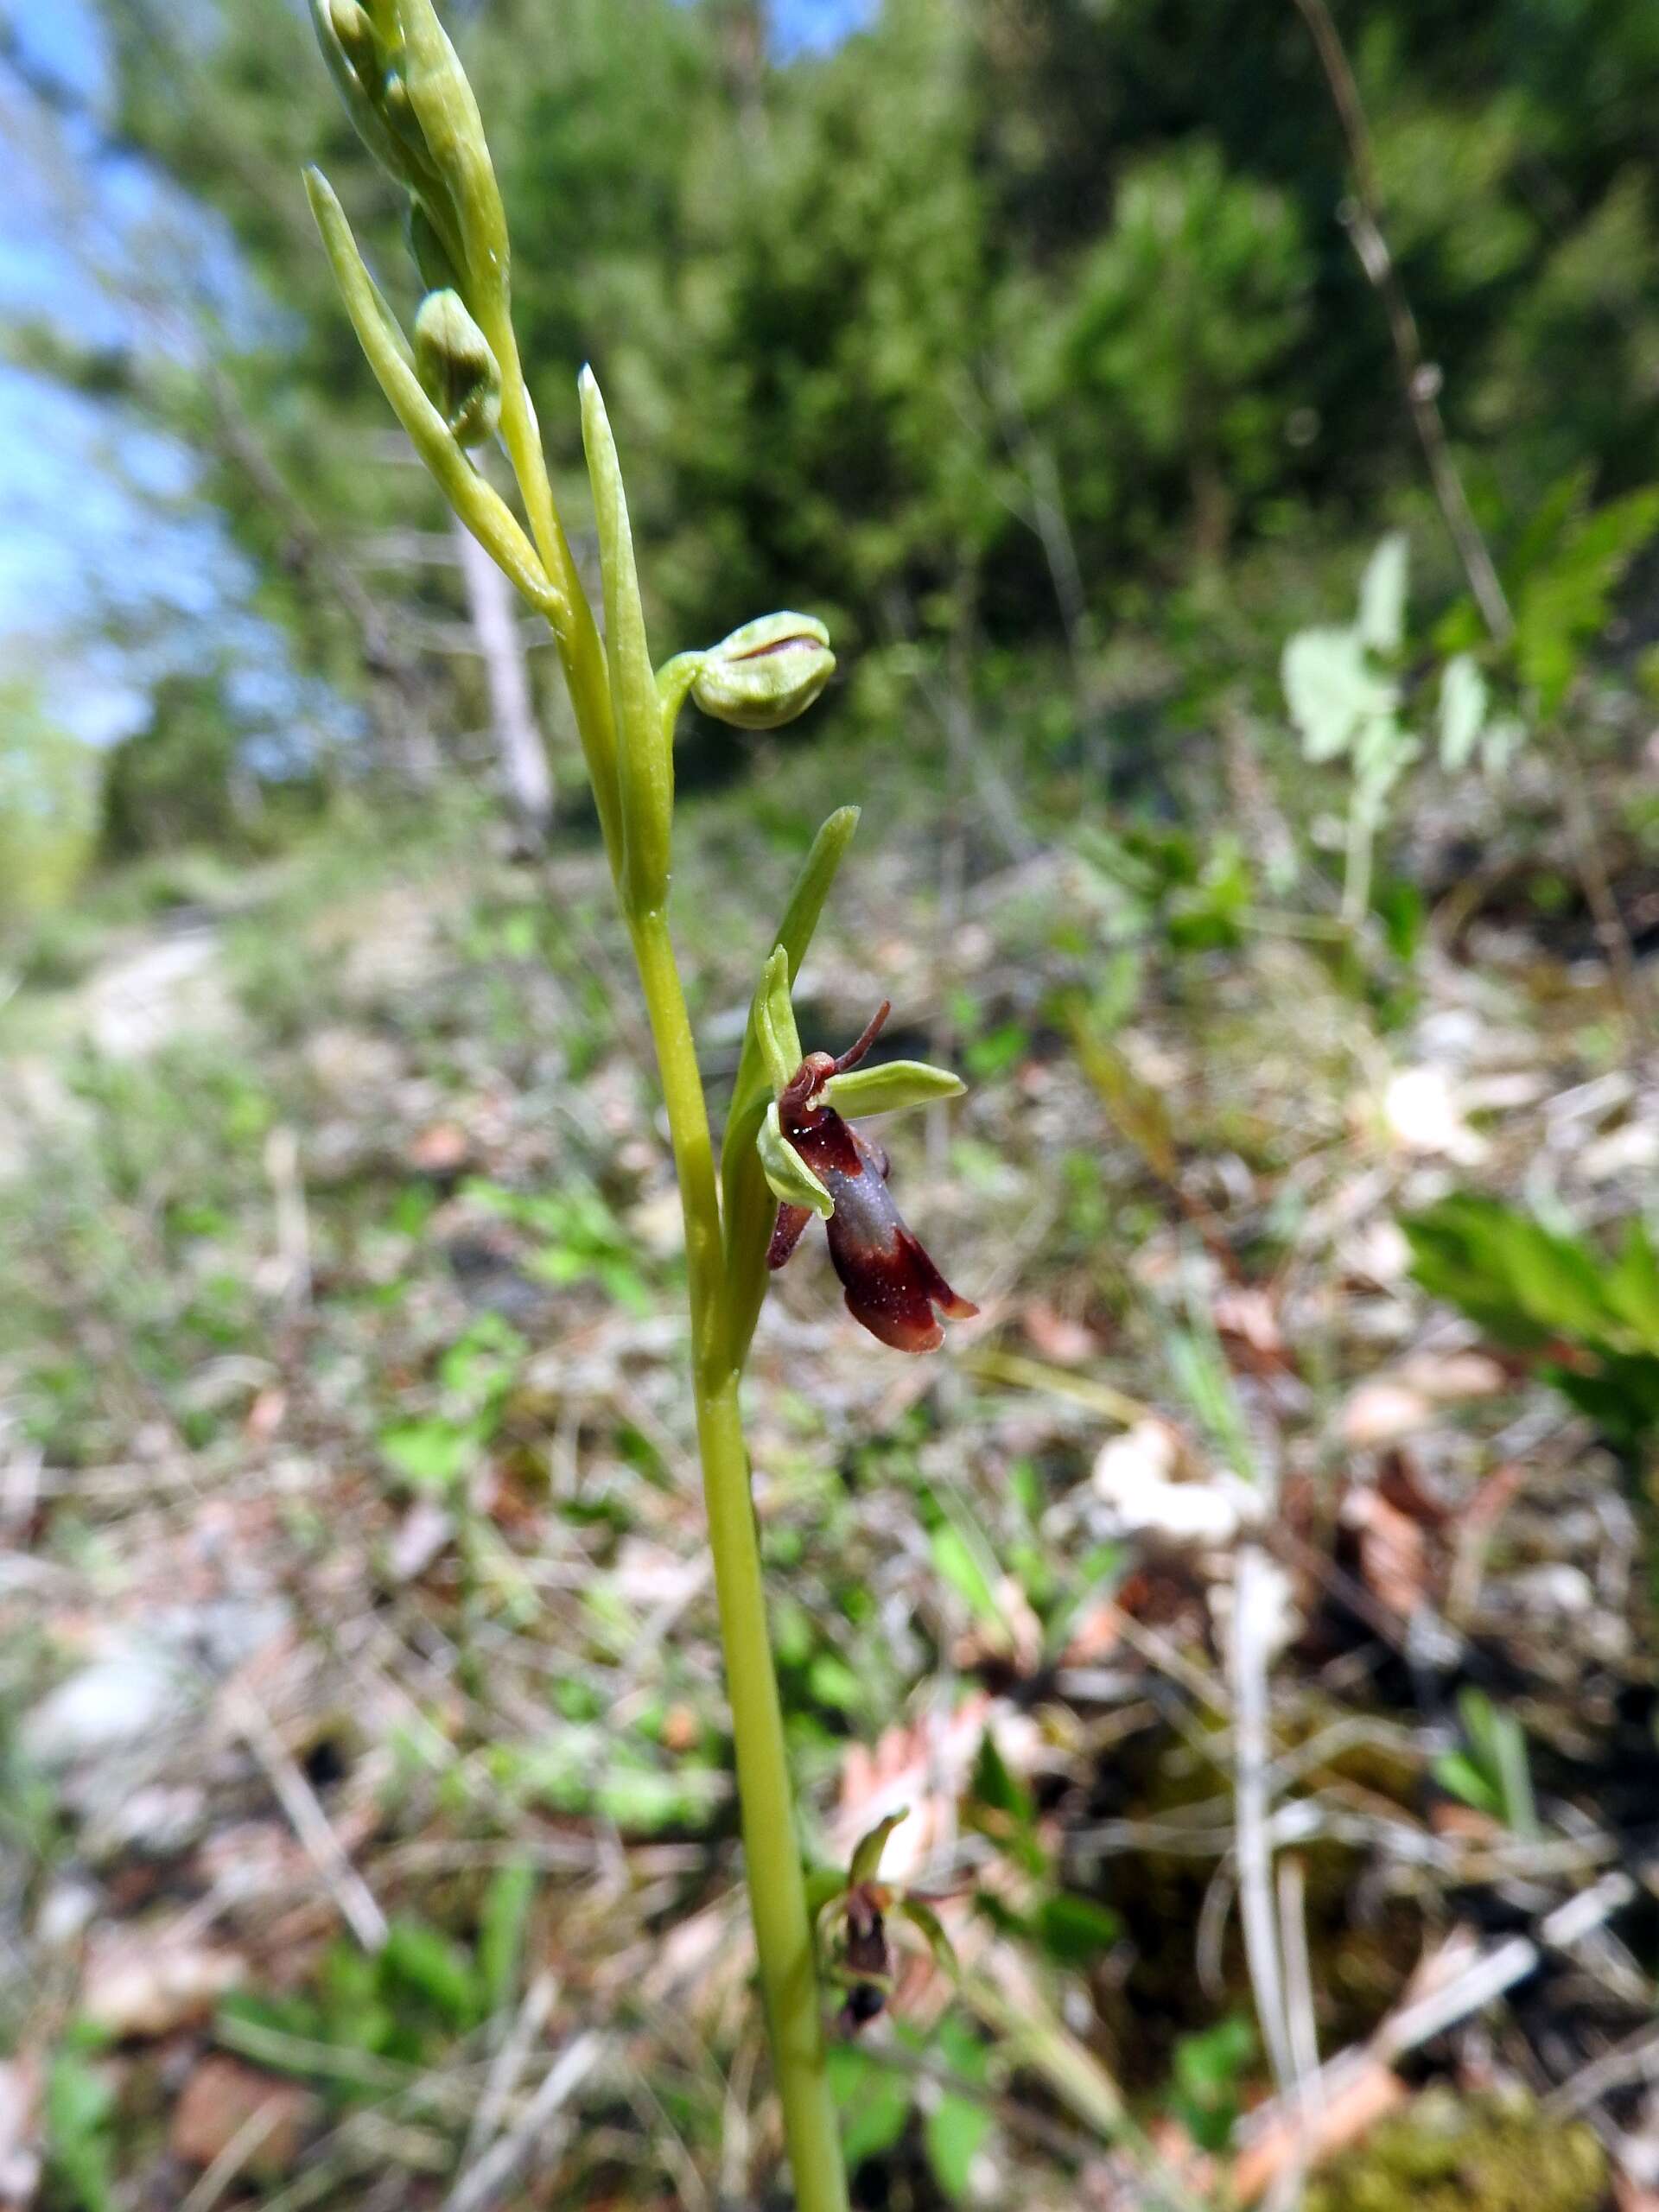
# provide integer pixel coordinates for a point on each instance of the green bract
(645, 753)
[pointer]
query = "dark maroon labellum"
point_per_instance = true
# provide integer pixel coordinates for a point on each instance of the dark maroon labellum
(891, 1286)
(865, 1959)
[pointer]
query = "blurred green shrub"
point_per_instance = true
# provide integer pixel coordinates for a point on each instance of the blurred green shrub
(48, 809)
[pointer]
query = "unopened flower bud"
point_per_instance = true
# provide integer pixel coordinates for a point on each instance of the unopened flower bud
(765, 673)
(350, 23)
(457, 370)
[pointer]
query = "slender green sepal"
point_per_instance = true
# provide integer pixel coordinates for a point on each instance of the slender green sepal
(645, 755)
(747, 1205)
(773, 1016)
(867, 1851)
(890, 1088)
(922, 1916)
(485, 513)
(790, 1179)
(453, 130)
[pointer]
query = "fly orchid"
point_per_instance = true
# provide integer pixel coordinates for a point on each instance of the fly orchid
(457, 381)
(819, 1162)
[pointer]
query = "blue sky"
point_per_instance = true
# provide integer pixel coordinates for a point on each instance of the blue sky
(92, 516)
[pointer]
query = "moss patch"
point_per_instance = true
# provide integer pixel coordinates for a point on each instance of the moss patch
(1486, 2154)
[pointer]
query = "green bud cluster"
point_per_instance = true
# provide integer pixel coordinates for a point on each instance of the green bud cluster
(414, 110)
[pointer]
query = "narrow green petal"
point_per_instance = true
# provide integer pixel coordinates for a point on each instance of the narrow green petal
(891, 1087)
(922, 1916)
(792, 1181)
(773, 1016)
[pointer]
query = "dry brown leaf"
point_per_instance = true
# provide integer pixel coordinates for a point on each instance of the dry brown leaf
(1393, 1551)
(1382, 1412)
(1372, 2093)
(222, 2098)
(444, 1148)
(146, 1980)
(1058, 1337)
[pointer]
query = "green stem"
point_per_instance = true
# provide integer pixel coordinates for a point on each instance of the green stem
(783, 1933)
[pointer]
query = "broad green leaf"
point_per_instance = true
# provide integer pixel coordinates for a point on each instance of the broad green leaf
(1456, 1772)
(953, 2134)
(1382, 624)
(892, 1088)
(424, 1961)
(1463, 711)
(1074, 1930)
(1565, 602)
(432, 1455)
(1632, 1286)
(78, 2104)
(874, 2099)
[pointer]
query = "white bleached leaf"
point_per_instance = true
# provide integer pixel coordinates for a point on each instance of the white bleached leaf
(1331, 689)
(1382, 622)
(1463, 711)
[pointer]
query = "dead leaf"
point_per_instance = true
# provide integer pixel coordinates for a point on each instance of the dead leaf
(1382, 1412)
(1057, 1336)
(1373, 2092)
(443, 1148)
(223, 2098)
(266, 1414)
(147, 1980)
(1393, 1551)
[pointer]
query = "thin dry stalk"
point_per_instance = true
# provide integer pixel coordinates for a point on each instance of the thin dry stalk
(486, 2183)
(311, 1824)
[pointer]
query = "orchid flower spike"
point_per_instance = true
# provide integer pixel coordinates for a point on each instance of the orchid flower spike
(816, 1161)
